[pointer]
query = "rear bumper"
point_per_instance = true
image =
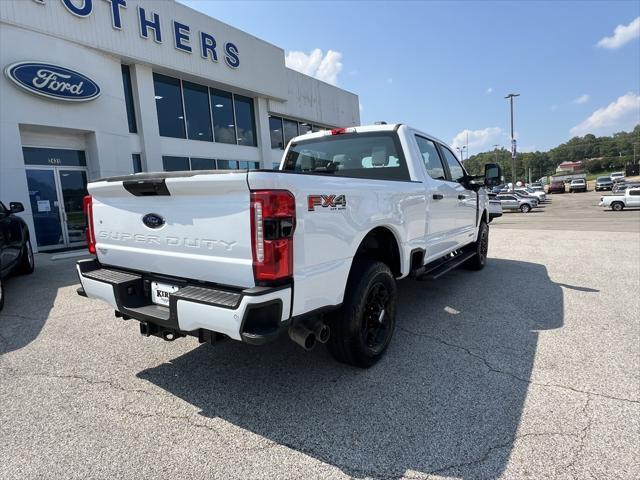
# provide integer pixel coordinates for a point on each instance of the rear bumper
(254, 315)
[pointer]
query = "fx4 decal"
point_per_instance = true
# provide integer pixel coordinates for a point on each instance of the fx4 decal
(333, 202)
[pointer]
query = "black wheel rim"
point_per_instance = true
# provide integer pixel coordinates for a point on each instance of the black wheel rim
(483, 244)
(376, 319)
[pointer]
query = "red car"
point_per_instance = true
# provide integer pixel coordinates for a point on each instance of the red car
(557, 186)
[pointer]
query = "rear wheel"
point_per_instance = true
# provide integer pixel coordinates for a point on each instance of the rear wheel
(525, 208)
(27, 263)
(617, 206)
(362, 328)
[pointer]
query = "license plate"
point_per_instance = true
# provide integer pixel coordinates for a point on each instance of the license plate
(160, 292)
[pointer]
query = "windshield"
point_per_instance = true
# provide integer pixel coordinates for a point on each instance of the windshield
(604, 179)
(577, 181)
(375, 155)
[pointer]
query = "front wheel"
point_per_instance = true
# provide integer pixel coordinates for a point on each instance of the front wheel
(617, 206)
(481, 247)
(362, 328)
(525, 208)
(27, 263)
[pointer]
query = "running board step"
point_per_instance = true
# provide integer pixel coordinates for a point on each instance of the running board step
(429, 272)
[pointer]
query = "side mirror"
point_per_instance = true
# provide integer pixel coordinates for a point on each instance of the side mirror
(16, 207)
(492, 174)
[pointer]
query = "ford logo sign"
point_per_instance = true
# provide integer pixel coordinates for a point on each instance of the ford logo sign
(53, 81)
(153, 220)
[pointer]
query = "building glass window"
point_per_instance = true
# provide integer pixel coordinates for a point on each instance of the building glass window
(290, 130)
(197, 112)
(227, 165)
(59, 157)
(275, 129)
(137, 163)
(245, 120)
(203, 164)
(128, 98)
(175, 164)
(224, 124)
(169, 106)
(304, 128)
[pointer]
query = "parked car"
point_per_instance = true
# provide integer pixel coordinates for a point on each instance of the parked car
(495, 207)
(578, 185)
(604, 183)
(208, 254)
(617, 177)
(623, 185)
(539, 194)
(512, 202)
(537, 186)
(533, 200)
(16, 255)
(618, 202)
(556, 186)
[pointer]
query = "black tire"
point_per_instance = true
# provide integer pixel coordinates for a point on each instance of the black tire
(525, 208)
(617, 206)
(481, 247)
(1, 294)
(362, 328)
(27, 263)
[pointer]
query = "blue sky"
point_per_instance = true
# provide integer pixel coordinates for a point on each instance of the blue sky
(445, 67)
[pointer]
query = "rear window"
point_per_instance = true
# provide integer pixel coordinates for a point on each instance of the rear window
(375, 155)
(604, 179)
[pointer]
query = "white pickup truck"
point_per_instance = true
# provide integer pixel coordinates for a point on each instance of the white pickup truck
(313, 248)
(629, 198)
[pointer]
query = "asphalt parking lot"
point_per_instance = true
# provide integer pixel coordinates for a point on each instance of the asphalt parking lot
(527, 369)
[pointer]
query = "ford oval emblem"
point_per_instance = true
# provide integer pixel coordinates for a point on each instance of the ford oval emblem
(153, 220)
(53, 81)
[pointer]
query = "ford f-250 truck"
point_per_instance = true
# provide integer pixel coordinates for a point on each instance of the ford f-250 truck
(314, 248)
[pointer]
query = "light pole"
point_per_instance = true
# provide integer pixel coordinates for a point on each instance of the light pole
(495, 152)
(513, 141)
(461, 152)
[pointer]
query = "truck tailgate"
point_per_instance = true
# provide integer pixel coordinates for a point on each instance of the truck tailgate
(202, 227)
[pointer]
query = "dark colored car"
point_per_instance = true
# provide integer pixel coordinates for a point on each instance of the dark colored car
(16, 255)
(604, 183)
(556, 186)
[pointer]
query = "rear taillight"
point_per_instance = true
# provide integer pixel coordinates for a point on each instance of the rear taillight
(338, 131)
(89, 233)
(273, 219)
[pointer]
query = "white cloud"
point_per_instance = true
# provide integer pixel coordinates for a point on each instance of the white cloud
(582, 99)
(325, 67)
(622, 34)
(620, 114)
(489, 90)
(477, 138)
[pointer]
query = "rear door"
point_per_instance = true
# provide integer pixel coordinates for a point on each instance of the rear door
(184, 224)
(467, 204)
(441, 212)
(509, 202)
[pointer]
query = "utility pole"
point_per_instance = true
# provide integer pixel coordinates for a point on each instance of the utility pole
(513, 142)
(461, 152)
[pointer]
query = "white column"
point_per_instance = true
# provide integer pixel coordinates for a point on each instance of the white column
(264, 136)
(147, 117)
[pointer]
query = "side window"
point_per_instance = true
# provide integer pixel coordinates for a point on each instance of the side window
(431, 158)
(634, 192)
(457, 172)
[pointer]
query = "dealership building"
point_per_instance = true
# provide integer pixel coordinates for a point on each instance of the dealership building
(95, 88)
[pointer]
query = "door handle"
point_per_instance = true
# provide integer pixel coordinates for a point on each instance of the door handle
(461, 197)
(438, 196)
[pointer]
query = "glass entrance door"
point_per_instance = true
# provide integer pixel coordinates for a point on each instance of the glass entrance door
(56, 195)
(43, 195)
(73, 188)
